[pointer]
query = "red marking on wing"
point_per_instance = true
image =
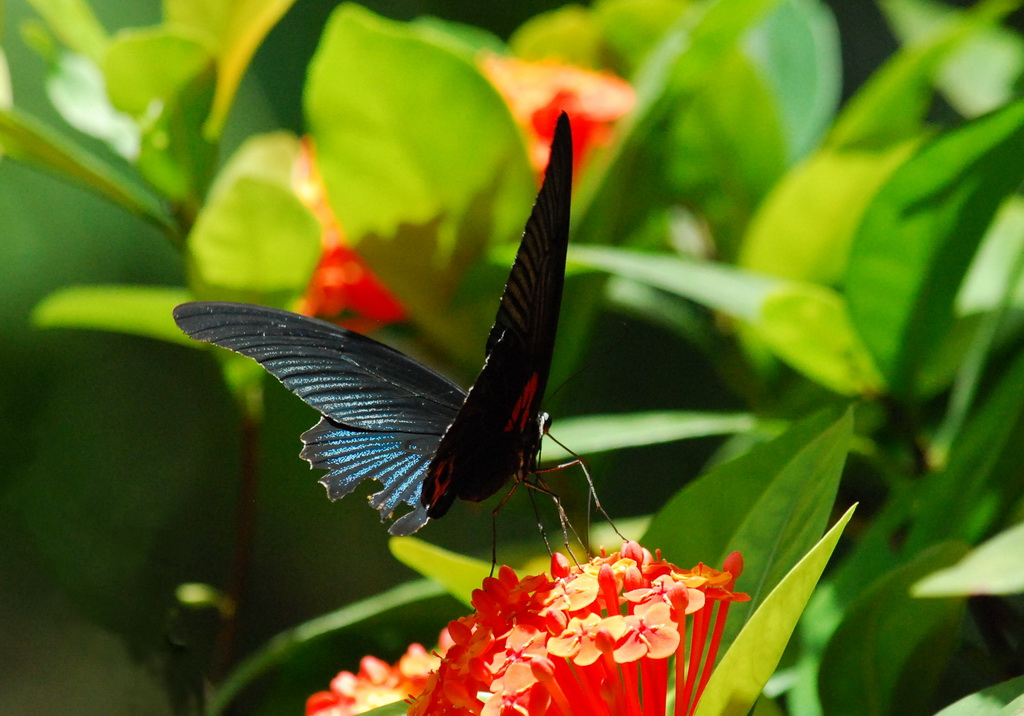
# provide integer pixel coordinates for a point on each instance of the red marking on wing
(442, 479)
(521, 410)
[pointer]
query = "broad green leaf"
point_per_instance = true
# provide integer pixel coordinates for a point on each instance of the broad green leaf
(803, 324)
(735, 293)
(458, 574)
(892, 105)
(940, 203)
(571, 33)
(1004, 699)
(979, 76)
(594, 434)
(739, 678)
(74, 22)
(76, 88)
(136, 310)
(279, 649)
(994, 567)
(233, 30)
(148, 66)
(797, 47)
(26, 139)
(809, 327)
(422, 193)
(772, 504)
(891, 649)
(804, 228)
(254, 238)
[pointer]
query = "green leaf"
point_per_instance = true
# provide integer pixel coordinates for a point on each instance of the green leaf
(739, 678)
(148, 66)
(994, 567)
(74, 22)
(233, 29)
(136, 310)
(940, 203)
(254, 238)
(175, 156)
(594, 434)
(727, 150)
(631, 28)
(1004, 699)
(981, 481)
(771, 504)
(468, 40)
(398, 708)
(26, 139)
(458, 574)
(809, 328)
(803, 324)
(991, 275)
(279, 649)
(804, 228)
(891, 649)
(797, 46)
(5, 83)
(892, 105)
(76, 88)
(571, 33)
(421, 193)
(977, 77)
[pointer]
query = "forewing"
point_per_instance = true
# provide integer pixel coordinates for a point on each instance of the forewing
(349, 378)
(496, 432)
(533, 294)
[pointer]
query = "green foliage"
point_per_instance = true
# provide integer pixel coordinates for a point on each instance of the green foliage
(777, 305)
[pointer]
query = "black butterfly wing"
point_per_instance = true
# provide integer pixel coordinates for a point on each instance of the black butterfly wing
(497, 432)
(384, 413)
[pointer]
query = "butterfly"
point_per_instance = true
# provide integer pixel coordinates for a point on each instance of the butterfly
(387, 416)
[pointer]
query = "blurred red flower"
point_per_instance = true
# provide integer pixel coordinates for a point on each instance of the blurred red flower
(377, 683)
(537, 92)
(342, 282)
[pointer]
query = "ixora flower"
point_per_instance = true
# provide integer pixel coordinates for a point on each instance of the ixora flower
(377, 683)
(537, 92)
(605, 638)
(342, 281)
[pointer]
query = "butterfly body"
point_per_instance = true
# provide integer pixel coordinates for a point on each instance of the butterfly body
(387, 416)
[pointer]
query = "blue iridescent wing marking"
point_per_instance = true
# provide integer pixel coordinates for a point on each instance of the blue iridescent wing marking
(384, 413)
(398, 460)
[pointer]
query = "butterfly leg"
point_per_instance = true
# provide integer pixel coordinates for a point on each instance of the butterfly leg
(582, 462)
(540, 486)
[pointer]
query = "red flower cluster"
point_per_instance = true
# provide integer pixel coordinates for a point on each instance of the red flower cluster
(342, 281)
(376, 684)
(596, 639)
(537, 92)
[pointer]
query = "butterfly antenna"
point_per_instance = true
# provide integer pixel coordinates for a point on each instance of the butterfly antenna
(582, 462)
